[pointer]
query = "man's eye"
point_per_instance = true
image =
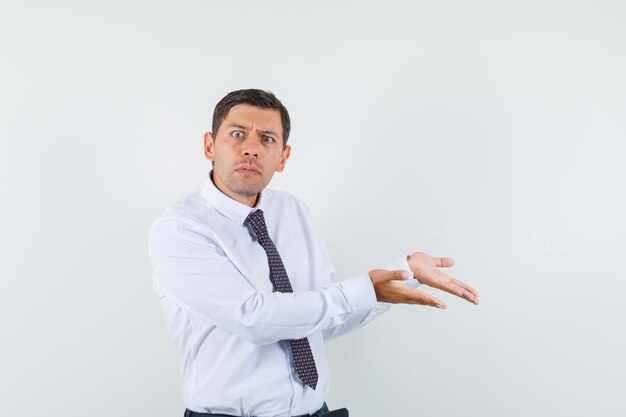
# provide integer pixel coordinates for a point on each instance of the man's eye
(238, 134)
(268, 139)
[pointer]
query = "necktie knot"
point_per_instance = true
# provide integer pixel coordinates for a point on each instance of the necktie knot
(257, 223)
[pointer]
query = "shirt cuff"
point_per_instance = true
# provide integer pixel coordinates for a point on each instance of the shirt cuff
(359, 292)
(402, 264)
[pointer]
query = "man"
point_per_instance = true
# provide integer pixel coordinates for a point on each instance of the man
(246, 284)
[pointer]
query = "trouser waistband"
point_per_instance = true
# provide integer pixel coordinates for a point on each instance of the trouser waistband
(319, 413)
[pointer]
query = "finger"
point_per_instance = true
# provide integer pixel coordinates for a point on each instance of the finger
(446, 283)
(469, 293)
(465, 293)
(470, 297)
(419, 297)
(444, 262)
(466, 287)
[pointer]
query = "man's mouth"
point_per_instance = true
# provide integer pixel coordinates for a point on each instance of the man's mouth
(247, 170)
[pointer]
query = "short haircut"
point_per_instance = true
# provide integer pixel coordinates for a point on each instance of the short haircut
(255, 97)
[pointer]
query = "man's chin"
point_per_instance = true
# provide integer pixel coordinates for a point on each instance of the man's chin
(248, 186)
(248, 190)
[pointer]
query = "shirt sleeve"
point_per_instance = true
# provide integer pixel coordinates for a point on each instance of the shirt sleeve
(190, 268)
(328, 276)
(361, 318)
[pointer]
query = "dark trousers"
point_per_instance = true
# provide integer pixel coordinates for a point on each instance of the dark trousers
(322, 412)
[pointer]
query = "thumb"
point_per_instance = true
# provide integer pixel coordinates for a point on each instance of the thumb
(399, 274)
(383, 275)
(444, 262)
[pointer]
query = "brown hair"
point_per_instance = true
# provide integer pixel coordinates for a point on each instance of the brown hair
(255, 97)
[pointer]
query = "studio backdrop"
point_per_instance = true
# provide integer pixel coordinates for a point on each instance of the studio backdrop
(490, 132)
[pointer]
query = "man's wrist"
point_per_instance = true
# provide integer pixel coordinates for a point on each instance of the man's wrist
(403, 265)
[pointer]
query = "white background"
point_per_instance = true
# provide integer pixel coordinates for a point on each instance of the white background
(489, 131)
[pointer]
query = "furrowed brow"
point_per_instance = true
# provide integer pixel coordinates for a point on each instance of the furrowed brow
(238, 126)
(269, 132)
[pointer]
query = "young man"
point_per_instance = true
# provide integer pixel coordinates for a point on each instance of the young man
(246, 284)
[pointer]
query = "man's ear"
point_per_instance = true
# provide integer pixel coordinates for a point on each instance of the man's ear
(283, 158)
(208, 146)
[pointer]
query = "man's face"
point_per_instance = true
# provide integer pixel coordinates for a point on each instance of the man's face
(247, 149)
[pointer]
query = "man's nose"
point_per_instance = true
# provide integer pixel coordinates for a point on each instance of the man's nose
(252, 145)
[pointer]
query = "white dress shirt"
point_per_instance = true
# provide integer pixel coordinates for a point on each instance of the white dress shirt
(229, 328)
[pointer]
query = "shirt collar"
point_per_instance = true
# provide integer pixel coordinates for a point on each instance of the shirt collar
(233, 209)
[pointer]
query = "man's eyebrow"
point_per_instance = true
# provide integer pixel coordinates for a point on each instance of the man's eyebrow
(269, 132)
(237, 125)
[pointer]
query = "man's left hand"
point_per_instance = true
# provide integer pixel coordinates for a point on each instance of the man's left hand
(425, 269)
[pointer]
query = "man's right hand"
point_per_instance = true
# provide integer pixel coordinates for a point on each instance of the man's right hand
(389, 290)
